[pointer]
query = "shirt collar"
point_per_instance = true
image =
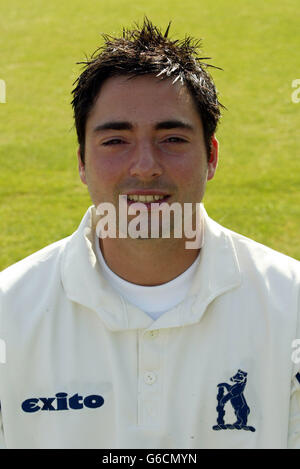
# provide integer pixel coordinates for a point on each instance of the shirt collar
(218, 272)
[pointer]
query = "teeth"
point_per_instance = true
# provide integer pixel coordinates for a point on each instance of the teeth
(145, 198)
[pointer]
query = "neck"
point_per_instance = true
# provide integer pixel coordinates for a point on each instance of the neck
(147, 261)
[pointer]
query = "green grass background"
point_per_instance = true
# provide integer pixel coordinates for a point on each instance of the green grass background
(256, 188)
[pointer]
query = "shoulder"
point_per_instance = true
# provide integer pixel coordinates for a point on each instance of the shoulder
(35, 267)
(275, 270)
(267, 277)
(253, 256)
(264, 257)
(37, 278)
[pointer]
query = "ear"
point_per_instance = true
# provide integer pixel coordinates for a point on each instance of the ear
(81, 167)
(213, 159)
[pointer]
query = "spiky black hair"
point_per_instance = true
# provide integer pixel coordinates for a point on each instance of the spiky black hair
(146, 50)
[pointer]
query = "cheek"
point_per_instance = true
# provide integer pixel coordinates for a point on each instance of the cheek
(105, 170)
(189, 170)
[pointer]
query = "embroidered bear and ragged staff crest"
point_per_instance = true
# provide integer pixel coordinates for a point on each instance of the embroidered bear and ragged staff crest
(237, 400)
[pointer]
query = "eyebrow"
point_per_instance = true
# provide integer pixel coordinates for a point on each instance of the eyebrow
(173, 124)
(163, 125)
(113, 125)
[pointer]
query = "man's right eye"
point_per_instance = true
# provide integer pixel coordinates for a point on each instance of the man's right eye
(113, 141)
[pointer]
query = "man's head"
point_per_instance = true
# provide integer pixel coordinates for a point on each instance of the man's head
(146, 51)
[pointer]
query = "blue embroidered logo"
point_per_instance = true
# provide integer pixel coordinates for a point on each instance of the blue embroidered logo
(62, 401)
(237, 400)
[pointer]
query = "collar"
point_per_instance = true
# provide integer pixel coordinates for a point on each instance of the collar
(218, 272)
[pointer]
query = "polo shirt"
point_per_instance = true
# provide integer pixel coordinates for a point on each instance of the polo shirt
(85, 368)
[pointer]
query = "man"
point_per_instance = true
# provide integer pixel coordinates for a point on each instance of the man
(140, 341)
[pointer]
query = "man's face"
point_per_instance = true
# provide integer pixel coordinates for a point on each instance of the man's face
(144, 136)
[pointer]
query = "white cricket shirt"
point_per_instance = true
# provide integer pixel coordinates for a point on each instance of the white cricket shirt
(87, 369)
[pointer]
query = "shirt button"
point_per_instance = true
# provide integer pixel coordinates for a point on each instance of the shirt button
(152, 334)
(149, 377)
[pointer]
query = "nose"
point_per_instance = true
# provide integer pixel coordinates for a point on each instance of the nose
(145, 164)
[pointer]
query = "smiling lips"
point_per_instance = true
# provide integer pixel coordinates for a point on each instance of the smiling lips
(145, 198)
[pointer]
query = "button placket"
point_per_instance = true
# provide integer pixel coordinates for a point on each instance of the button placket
(150, 382)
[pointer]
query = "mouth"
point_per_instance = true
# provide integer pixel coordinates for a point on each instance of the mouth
(147, 198)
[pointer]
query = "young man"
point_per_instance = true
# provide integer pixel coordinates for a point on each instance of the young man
(140, 341)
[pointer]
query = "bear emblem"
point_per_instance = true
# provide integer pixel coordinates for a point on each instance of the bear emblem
(237, 400)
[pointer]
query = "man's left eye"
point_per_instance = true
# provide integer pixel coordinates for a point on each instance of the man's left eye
(175, 140)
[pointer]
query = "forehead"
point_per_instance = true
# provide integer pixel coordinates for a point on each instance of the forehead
(144, 98)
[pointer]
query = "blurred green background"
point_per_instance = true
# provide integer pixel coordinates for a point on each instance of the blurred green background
(256, 188)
